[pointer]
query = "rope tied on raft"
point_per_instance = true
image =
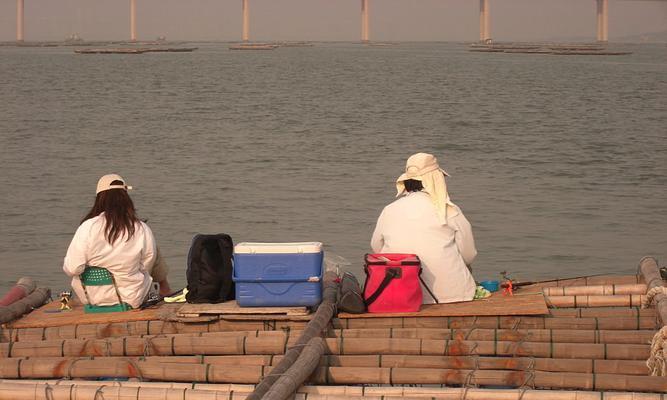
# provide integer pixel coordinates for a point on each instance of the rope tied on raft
(99, 392)
(652, 294)
(48, 392)
(149, 346)
(657, 360)
(469, 382)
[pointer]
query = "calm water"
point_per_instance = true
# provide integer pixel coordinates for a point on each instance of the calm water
(559, 162)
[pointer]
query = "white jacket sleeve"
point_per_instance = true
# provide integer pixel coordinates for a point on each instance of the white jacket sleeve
(377, 241)
(149, 251)
(465, 242)
(77, 252)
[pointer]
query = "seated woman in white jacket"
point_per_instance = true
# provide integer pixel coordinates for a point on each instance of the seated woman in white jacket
(111, 236)
(424, 221)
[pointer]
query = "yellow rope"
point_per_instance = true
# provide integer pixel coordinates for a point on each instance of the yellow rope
(651, 294)
(657, 361)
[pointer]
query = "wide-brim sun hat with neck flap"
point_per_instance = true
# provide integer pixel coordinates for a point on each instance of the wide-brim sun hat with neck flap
(424, 167)
(419, 165)
(107, 183)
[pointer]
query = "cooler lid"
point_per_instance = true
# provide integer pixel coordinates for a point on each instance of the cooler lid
(281, 248)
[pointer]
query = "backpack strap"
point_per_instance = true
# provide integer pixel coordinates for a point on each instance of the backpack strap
(389, 275)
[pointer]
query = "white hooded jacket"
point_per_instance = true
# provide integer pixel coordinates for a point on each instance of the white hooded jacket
(412, 225)
(130, 262)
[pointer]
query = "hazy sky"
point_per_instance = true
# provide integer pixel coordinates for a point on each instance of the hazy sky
(448, 20)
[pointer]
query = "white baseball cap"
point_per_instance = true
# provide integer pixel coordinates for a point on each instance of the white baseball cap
(105, 183)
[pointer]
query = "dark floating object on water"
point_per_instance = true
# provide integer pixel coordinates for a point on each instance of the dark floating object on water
(555, 49)
(295, 44)
(138, 50)
(253, 46)
(380, 44)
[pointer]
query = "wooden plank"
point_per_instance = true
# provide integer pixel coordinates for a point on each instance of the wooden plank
(231, 307)
(48, 316)
(266, 317)
(498, 304)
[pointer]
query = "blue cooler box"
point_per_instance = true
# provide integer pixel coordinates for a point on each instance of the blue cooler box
(278, 274)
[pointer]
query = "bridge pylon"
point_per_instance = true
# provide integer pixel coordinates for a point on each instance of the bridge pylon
(19, 20)
(484, 22)
(364, 21)
(602, 20)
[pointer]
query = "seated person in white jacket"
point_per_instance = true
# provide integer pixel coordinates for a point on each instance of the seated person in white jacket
(111, 236)
(424, 221)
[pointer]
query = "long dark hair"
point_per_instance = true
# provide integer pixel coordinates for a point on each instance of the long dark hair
(118, 210)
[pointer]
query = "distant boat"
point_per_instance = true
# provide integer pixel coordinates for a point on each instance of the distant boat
(253, 46)
(295, 44)
(380, 44)
(135, 50)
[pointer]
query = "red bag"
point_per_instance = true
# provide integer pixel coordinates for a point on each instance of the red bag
(392, 283)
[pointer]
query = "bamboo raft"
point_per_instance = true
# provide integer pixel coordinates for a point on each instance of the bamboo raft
(552, 49)
(135, 50)
(592, 342)
(254, 46)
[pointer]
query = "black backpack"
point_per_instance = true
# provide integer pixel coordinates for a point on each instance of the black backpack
(209, 271)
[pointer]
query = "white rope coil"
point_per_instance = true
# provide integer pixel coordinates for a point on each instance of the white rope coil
(657, 361)
(651, 294)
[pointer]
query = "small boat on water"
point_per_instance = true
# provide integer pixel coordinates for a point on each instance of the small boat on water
(588, 49)
(295, 44)
(135, 50)
(591, 337)
(254, 46)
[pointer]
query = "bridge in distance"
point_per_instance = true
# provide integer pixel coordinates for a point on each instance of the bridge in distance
(484, 20)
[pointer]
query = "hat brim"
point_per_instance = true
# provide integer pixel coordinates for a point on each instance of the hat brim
(405, 177)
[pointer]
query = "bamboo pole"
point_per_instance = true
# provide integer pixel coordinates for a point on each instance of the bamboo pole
(644, 320)
(602, 312)
(629, 367)
(598, 290)
(602, 318)
(25, 305)
(155, 327)
(500, 322)
(353, 346)
(146, 391)
(219, 387)
(138, 346)
(23, 287)
(276, 344)
(629, 300)
(228, 391)
(101, 364)
(332, 375)
(320, 321)
(538, 379)
(514, 335)
(533, 334)
(126, 368)
(649, 270)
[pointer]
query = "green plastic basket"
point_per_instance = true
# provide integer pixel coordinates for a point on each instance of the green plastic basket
(98, 276)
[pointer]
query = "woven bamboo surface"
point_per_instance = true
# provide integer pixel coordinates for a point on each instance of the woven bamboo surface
(498, 304)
